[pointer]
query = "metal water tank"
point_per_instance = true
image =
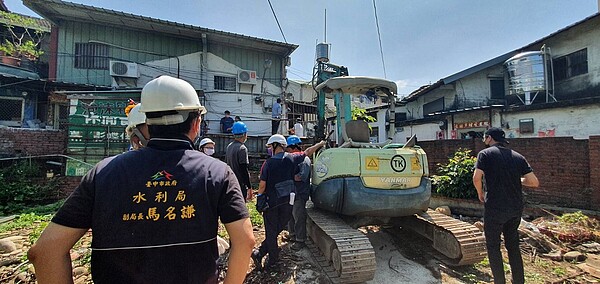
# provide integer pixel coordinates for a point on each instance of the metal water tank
(323, 52)
(526, 73)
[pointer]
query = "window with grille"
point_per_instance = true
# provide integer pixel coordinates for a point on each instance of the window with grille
(571, 65)
(225, 83)
(11, 112)
(91, 56)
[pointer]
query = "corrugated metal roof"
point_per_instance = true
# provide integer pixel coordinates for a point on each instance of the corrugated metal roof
(46, 85)
(420, 91)
(56, 10)
(500, 59)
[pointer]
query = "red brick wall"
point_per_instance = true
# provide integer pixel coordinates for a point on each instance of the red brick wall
(67, 185)
(32, 142)
(594, 166)
(568, 169)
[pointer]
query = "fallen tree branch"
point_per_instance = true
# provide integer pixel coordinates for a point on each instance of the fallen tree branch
(559, 281)
(539, 240)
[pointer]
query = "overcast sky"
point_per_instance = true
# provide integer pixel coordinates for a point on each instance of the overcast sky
(423, 41)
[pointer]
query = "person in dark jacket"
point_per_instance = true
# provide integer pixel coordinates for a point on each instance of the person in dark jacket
(154, 212)
(297, 224)
(236, 156)
(226, 122)
(276, 194)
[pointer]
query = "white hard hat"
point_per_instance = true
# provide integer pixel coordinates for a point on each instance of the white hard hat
(166, 93)
(205, 141)
(277, 138)
(136, 117)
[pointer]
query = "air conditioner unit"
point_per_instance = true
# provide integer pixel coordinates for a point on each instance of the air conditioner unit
(124, 69)
(247, 77)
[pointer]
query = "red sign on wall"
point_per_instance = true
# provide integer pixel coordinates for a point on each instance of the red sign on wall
(471, 124)
(440, 135)
(453, 134)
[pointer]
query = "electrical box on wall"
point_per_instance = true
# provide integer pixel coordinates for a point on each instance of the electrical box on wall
(526, 125)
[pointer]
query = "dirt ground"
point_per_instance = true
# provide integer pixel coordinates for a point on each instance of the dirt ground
(402, 257)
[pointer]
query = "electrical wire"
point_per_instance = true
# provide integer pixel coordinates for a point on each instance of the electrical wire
(272, 10)
(379, 36)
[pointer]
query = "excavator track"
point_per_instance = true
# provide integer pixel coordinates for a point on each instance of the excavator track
(348, 250)
(460, 242)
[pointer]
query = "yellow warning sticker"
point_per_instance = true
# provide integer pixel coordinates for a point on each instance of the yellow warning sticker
(415, 164)
(372, 163)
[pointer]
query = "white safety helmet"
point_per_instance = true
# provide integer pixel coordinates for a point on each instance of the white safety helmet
(166, 93)
(277, 138)
(136, 117)
(205, 141)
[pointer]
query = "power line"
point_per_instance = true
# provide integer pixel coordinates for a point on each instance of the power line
(379, 35)
(277, 21)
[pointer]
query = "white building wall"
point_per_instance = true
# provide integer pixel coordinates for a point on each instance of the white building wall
(380, 124)
(474, 90)
(578, 121)
(414, 109)
(424, 132)
(248, 102)
(584, 36)
(301, 91)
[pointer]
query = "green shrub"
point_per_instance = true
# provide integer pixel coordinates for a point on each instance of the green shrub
(455, 178)
(17, 190)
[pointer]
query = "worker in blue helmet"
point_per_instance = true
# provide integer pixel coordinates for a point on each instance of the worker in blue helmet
(297, 224)
(236, 156)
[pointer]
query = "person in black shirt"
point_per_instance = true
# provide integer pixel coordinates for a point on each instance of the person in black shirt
(505, 171)
(153, 212)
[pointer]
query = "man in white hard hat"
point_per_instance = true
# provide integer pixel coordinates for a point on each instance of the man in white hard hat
(136, 129)
(154, 212)
(207, 146)
(275, 191)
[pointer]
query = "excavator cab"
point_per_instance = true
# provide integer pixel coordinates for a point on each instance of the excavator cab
(361, 178)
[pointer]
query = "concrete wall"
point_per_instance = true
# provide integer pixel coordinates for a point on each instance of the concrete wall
(474, 90)
(578, 121)
(424, 132)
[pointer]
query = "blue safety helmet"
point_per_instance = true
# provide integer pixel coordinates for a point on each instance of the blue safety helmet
(293, 140)
(239, 128)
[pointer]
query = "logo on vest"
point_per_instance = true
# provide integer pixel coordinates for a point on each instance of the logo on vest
(162, 178)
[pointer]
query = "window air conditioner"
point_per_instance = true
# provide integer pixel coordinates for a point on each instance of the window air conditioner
(246, 77)
(124, 69)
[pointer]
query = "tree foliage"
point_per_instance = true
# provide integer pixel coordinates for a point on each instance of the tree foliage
(361, 114)
(455, 178)
(26, 35)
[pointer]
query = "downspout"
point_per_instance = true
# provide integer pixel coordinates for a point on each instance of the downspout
(53, 60)
(204, 64)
